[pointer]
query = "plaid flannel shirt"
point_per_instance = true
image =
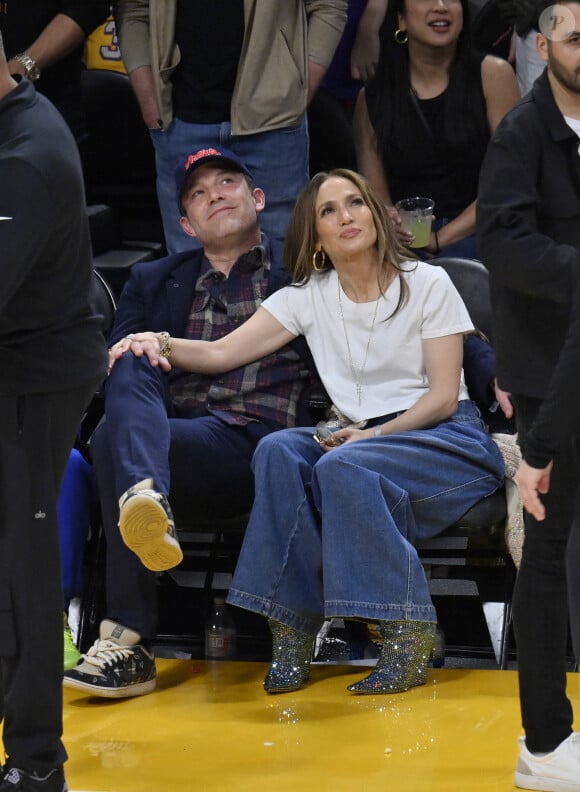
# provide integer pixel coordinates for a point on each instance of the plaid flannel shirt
(266, 390)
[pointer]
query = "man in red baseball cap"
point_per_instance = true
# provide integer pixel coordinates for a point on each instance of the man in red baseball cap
(182, 437)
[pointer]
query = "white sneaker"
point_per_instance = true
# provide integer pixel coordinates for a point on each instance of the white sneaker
(558, 771)
(147, 527)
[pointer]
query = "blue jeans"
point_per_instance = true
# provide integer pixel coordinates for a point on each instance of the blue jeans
(464, 248)
(278, 161)
(74, 518)
(331, 534)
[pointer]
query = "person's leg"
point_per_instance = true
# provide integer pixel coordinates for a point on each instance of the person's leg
(136, 409)
(278, 573)
(131, 588)
(573, 577)
(211, 467)
(210, 470)
(73, 513)
(172, 146)
(414, 485)
(206, 472)
(278, 162)
(37, 434)
(378, 496)
(540, 609)
(573, 562)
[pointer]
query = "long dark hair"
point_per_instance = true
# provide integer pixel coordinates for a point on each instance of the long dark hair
(388, 93)
(302, 238)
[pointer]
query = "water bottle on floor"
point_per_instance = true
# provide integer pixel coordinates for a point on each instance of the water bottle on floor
(220, 633)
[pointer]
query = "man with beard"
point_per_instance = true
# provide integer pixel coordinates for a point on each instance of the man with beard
(529, 236)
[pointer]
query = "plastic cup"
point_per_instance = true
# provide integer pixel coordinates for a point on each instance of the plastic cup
(416, 216)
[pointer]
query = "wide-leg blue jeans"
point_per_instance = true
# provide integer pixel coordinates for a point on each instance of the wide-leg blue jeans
(332, 534)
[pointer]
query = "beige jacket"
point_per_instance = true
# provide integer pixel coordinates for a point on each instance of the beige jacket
(281, 37)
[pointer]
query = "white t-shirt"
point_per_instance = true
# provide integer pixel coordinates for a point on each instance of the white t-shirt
(574, 125)
(394, 376)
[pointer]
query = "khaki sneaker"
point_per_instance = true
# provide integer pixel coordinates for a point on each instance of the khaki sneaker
(147, 527)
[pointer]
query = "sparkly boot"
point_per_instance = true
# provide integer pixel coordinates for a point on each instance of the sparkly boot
(291, 653)
(404, 657)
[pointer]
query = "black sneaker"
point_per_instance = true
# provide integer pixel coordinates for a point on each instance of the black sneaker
(147, 527)
(116, 665)
(15, 780)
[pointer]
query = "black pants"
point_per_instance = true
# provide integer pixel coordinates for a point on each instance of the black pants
(548, 580)
(36, 435)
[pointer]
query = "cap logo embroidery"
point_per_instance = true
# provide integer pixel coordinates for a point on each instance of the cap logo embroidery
(209, 152)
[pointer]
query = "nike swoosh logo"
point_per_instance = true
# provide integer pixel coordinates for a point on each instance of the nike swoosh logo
(6, 218)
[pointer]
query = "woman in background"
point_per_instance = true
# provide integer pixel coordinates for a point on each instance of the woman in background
(423, 121)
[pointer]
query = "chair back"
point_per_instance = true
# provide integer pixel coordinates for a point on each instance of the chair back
(103, 301)
(120, 159)
(491, 30)
(471, 279)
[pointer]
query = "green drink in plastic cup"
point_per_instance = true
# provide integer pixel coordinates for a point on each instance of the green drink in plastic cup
(416, 216)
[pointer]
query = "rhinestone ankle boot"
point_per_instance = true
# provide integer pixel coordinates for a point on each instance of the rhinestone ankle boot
(404, 657)
(291, 653)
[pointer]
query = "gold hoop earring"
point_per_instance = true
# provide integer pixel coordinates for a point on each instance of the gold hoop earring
(319, 267)
(401, 36)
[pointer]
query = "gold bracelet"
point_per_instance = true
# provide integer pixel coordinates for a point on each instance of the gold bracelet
(165, 344)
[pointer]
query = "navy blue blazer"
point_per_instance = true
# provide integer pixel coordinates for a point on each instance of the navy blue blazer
(159, 294)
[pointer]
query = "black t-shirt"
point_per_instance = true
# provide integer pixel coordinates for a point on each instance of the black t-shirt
(21, 23)
(210, 38)
(50, 337)
(425, 161)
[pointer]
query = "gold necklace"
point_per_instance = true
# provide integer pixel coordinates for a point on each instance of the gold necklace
(357, 377)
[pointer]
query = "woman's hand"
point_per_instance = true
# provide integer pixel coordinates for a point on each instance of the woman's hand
(533, 482)
(344, 436)
(140, 344)
(405, 237)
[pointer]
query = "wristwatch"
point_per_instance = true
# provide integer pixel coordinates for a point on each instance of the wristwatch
(31, 66)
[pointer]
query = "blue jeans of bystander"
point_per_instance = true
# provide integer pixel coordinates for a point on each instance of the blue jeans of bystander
(277, 160)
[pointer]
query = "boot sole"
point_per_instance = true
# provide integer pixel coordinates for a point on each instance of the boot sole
(138, 689)
(370, 691)
(143, 524)
(524, 781)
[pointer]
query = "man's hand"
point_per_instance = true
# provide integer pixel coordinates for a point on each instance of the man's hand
(504, 400)
(364, 55)
(533, 482)
(140, 344)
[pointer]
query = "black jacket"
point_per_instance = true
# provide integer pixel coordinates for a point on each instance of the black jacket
(559, 418)
(528, 227)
